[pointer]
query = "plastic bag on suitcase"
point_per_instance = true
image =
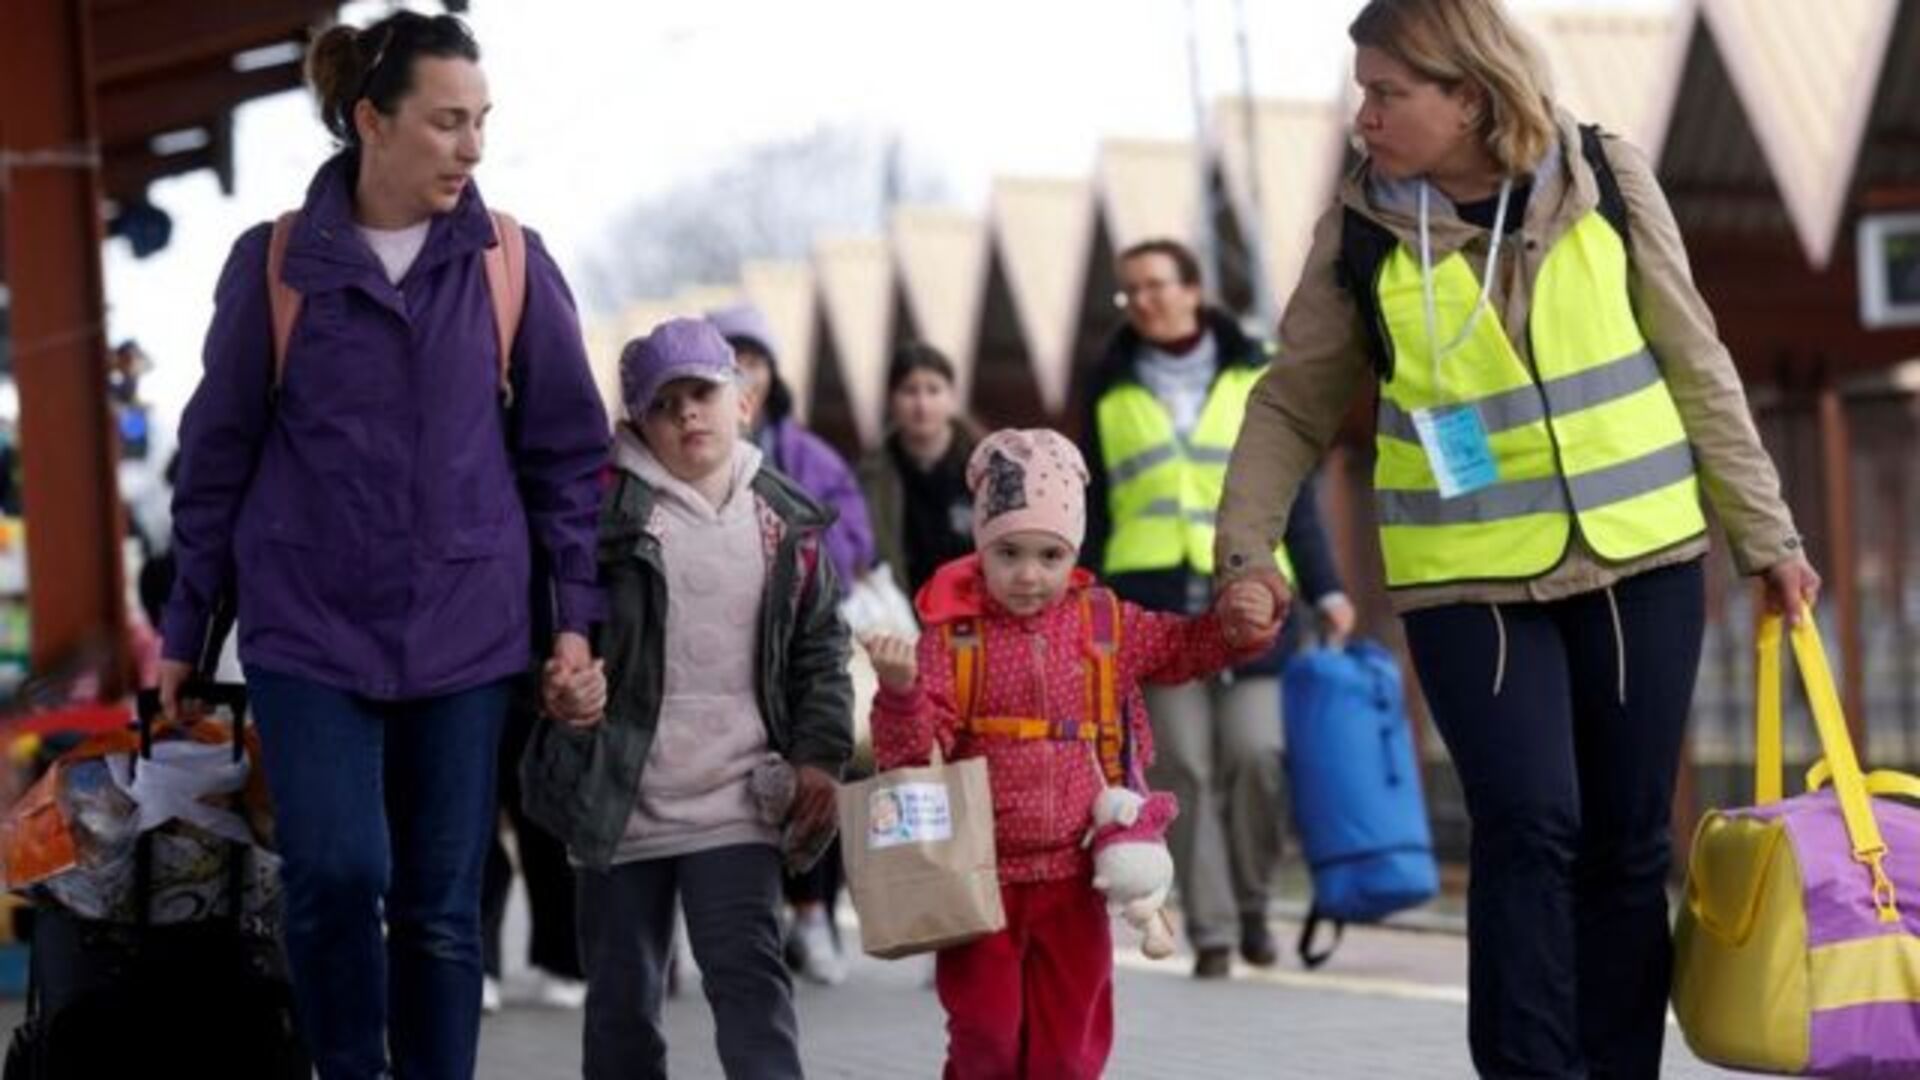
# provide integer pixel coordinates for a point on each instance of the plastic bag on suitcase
(207, 997)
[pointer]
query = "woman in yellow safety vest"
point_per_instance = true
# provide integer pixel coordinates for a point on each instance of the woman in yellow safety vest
(1552, 402)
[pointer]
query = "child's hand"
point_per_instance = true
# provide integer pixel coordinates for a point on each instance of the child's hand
(813, 802)
(576, 697)
(893, 660)
(1250, 611)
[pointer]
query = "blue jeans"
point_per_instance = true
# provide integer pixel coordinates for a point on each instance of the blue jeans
(383, 812)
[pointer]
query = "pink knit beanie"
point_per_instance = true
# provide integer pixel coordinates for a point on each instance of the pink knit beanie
(1027, 479)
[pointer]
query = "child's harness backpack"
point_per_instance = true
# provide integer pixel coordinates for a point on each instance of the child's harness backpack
(506, 266)
(1356, 791)
(1107, 728)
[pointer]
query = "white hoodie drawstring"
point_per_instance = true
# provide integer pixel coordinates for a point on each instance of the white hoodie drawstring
(1500, 655)
(1619, 644)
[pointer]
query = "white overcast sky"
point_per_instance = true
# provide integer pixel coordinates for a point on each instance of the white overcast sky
(600, 102)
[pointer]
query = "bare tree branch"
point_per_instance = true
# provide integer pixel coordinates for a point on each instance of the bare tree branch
(771, 201)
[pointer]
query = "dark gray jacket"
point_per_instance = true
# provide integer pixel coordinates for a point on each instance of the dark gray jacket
(581, 785)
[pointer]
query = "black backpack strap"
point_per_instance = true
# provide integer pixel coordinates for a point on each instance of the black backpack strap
(1613, 204)
(1364, 247)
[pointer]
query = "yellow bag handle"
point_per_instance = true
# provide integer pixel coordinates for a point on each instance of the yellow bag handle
(1767, 763)
(1885, 782)
(1856, 807)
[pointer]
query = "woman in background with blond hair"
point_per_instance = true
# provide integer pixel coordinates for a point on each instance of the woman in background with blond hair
(1553, 402)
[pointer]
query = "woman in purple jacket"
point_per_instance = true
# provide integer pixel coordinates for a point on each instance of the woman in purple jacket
(370, 512)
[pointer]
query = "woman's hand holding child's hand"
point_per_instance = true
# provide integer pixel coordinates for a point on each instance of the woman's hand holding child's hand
(575, 696)
(1249, 613)
(813, 804)
(893, 660)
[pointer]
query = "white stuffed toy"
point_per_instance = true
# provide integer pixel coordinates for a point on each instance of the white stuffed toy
(1131, 864)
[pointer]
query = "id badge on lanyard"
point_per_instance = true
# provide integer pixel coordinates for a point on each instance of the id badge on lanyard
(1455, 440)
(1454, 437)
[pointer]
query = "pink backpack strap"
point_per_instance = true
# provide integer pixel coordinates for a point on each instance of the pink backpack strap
(283, 300)
(506, 266)
(506, 263)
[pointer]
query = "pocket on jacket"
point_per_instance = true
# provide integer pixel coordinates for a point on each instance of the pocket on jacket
(478, 541)
(483, 534)
(304, 533)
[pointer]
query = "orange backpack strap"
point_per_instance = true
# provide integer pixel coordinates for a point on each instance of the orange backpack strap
(1101, 611)
(506, 267)
(506, 263)
(964, 641)
(283, 300)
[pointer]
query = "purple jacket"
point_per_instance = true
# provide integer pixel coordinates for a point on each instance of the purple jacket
(820, 472)
(372, 522)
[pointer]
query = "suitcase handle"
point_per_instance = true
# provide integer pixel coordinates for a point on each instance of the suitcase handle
(234, 697)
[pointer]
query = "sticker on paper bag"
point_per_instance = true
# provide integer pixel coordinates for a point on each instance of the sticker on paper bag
(1457, 449)
(908, 814)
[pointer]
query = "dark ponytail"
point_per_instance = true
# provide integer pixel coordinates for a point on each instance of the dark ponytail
(376, 63)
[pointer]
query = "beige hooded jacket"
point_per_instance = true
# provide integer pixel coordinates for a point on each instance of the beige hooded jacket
(1297, 408)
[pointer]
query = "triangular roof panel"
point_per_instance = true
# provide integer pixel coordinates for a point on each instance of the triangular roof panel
(941, 256)
(783, 291)
(1620, 70)
(1149, 188)
(1807, 73)
(1300, 146)
(856, 292)
(1043, 230)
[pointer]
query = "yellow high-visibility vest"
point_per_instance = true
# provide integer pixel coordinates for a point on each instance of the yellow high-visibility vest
(1590, 436)
(1163, 492)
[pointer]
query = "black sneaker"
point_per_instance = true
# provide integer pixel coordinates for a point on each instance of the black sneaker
(1213, 962)
(1256, 942)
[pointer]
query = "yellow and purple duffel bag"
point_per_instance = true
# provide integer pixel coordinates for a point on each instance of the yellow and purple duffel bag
(1798, 950)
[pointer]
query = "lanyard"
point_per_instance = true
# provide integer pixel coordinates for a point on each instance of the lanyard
(1437, 350)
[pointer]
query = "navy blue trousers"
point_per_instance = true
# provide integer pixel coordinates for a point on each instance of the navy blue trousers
(1564, 721)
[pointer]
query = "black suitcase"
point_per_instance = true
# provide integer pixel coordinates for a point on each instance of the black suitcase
(206, 999)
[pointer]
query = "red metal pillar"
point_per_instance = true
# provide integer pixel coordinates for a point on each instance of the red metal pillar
(49, 184)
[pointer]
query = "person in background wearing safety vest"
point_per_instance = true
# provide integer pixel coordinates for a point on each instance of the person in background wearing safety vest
(1166, 403)
(1552, 403)
(1028, 663)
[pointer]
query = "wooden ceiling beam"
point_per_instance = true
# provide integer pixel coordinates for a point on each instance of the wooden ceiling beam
(133, 110)
(137, 37)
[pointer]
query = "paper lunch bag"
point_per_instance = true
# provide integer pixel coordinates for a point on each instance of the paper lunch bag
(918, 848)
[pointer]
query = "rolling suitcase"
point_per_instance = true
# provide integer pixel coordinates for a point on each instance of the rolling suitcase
(207, 998)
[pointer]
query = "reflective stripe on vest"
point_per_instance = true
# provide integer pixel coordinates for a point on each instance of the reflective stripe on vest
(1595, 438)
(1163, 493)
